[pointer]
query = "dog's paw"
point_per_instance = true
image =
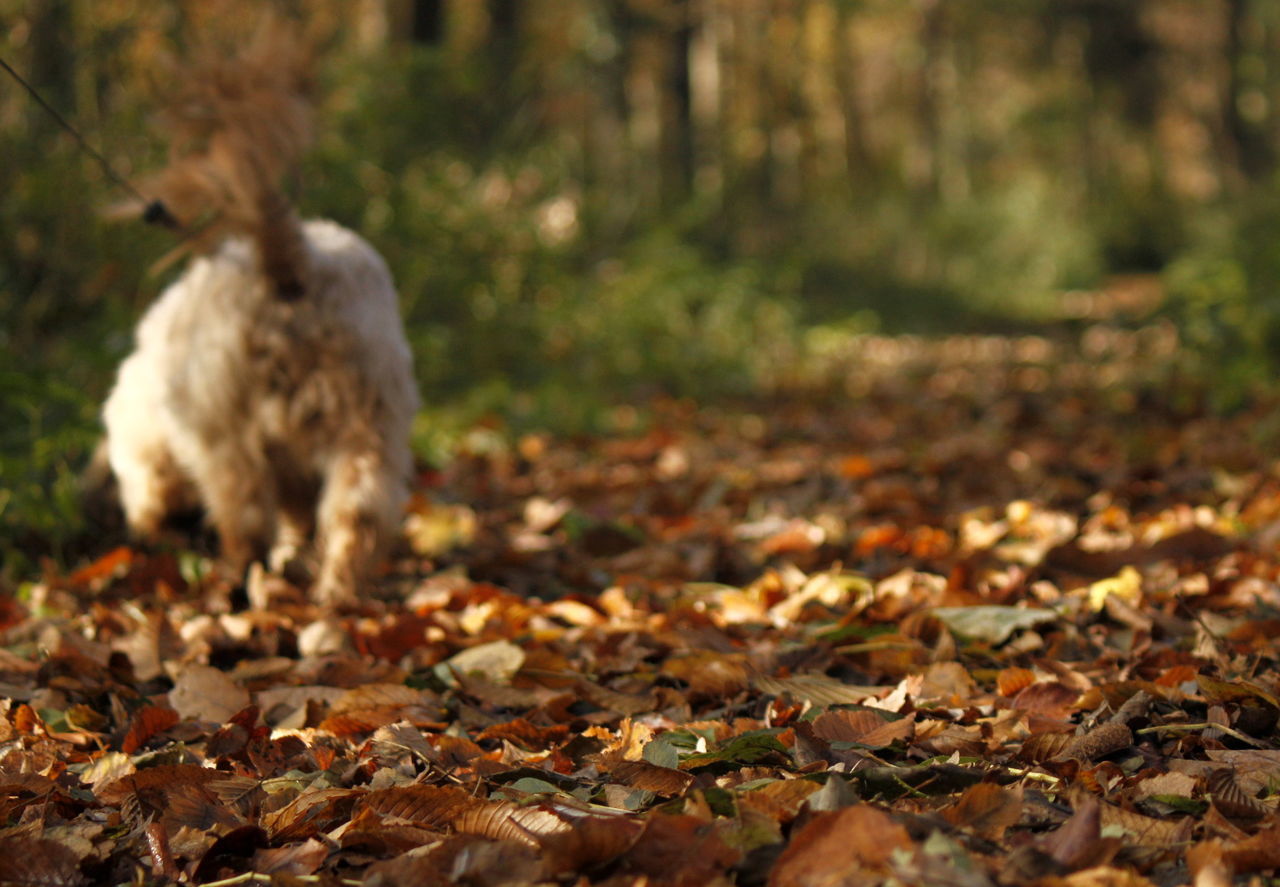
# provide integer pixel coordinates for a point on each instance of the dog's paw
(331, 592)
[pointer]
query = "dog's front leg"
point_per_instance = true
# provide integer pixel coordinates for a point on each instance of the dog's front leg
(238, 494)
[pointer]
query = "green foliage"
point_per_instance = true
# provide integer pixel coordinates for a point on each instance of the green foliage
(1225, 296)
(46, 433)
(996, 258)
(512, 302)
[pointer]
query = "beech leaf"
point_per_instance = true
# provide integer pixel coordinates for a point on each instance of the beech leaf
(992, 624)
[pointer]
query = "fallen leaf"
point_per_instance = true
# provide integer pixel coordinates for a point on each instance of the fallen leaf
(203, 693)
(497, 661)
(992, 624)
(986, 809)
(849, 846)
(1126, 585)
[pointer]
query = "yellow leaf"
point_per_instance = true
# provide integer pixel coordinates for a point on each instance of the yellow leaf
(1126, 585)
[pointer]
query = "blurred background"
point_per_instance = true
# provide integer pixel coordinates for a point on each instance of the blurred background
(589, 203)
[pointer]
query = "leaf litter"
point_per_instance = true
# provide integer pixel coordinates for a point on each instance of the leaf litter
(950, 617)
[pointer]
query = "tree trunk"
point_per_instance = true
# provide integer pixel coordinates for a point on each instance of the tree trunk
(50, 63)
(925, 171)
(1250, 151)
(428, 22)
(504, 39)
(858, 160)
(677, 126)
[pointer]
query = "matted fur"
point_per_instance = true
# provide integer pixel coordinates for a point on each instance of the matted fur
(272, 382)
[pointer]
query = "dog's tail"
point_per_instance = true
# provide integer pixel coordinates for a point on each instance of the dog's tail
(239, 124)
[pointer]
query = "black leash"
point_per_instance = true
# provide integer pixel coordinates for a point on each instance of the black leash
(155, 211)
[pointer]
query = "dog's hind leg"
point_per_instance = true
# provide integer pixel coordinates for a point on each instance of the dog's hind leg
(295, 517)
(359, 507)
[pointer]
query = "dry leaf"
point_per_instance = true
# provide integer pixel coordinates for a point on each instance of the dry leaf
(147, 722)
(650, 777)
(202, 693)
(38, 862)
(296, 859)
(833, 846)
(986, 809)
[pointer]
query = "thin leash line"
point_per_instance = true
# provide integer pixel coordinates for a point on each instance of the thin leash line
(71, 130)
(155, 211)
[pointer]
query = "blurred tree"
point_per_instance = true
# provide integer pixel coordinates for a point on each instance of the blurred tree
(1244, 101)
(503, 42)
(50, 61)
(923, 159)
(428, 21)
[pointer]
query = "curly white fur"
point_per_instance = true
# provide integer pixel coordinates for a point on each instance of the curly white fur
(280, 414)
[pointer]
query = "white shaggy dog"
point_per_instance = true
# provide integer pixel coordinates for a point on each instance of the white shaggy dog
(272, 383)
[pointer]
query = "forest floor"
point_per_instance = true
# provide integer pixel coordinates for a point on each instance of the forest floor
(971, 611)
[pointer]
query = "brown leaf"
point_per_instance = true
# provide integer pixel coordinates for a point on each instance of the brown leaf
(816, 689)
(1256, 853)
(1102, 740)
(1231, 800)
(710, 674)
(1254, 769)
(1052, 699)
(227, 741)
(383, 841)
(611, 700)
(1041, 747)
(503, 821)
(395, 740)
(852, 846)
(481, 862)
(457, 750)
(406, 870)
(358, 723)
(203, 693)
(1208, 867)
(195, 806)
(146, 723)
(429, 805)
(986, 809)
(112, 564)
(1146, 831)
(1103, 876)
(1011, 680)
(679, 850)
(38, 862)
(296, 859)
(594, 837)
(26, 784)
(312, 811)
(236, 792)
(371, 697)
(524, 734)
(1078, 842)
(155, 781)
(230, 855)
(650, 777)
(26, 721)
(499, 694)
(1172, 783)
(779, 800)
(864, 727)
